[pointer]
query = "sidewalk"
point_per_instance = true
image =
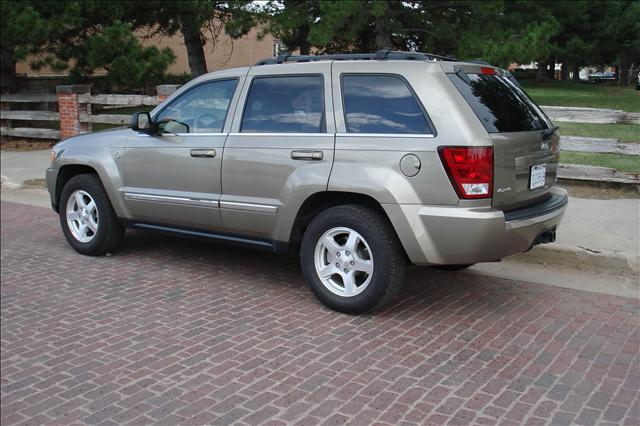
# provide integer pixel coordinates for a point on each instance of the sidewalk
(18, 167)
(594, 234)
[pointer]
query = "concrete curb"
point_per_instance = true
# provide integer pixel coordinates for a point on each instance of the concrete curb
(581, 258)
(5, 183)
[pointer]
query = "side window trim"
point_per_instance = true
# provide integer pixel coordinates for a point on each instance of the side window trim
(195, 86)
(425, 114)
(245, 102)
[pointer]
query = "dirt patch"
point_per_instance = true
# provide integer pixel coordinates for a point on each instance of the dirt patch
(34, 183)
(600, 190)
(26, 145)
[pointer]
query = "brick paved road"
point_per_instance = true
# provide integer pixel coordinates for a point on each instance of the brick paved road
(177, 331)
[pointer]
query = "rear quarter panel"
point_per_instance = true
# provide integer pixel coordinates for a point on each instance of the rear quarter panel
(370, 164)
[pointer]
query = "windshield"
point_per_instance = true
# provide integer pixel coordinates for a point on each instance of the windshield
(500, 105)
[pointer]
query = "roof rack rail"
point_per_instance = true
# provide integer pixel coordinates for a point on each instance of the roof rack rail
(380, 55)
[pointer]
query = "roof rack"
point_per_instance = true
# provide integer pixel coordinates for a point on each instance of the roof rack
(380, 55)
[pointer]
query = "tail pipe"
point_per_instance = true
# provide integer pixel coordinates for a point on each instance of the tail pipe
(546, 237)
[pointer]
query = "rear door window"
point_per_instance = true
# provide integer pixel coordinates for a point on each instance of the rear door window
(381, 104)
(500, 105)
(285, 104)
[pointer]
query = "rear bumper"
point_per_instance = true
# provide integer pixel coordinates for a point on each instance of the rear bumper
(455, 235)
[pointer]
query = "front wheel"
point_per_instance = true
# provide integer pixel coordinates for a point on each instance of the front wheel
(88, 221)
(351, 259)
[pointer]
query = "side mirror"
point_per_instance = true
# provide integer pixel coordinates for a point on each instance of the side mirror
(141, 122)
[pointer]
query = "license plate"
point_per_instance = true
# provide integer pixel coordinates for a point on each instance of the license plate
(538, 173)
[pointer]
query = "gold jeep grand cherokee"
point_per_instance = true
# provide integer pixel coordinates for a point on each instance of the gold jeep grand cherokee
(361, 164)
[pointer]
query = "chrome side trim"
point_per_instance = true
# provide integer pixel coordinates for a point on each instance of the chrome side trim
(385, 135)
(280, 134)
(248, 207)
(172, 200)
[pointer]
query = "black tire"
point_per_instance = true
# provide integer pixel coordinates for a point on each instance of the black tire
(454, 267)
(108, 235)
(387, 254)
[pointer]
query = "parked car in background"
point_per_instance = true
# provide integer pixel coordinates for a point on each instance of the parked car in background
(359, 164)
(598, 77)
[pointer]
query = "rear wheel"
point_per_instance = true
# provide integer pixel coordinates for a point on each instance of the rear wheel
(351, 259)
(88, 221)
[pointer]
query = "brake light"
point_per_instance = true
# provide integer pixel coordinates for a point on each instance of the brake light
(470, 170)
(488, 71)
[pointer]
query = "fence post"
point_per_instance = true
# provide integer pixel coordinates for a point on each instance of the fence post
(165, 90)
(5, 106)
(70, 109)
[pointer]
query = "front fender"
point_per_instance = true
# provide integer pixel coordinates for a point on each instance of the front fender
(102, 152)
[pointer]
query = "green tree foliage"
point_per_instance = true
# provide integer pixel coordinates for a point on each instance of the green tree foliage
(291, 21)
(82, 36)
(23, 29)
(574, 32)
(199, 21)
(128, 64)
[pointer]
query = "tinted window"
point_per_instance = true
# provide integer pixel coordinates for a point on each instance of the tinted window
(381, 104)
(202, 109)
(288, 104)
(500, 105)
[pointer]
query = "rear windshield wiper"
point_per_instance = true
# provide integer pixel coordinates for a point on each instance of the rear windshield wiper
(463, 76)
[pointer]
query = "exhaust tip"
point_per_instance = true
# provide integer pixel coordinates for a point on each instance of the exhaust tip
(546, 237)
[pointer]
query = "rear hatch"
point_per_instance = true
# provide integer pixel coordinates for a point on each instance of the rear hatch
(525, 143)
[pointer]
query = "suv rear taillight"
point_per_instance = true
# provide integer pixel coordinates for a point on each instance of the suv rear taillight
(470, 170)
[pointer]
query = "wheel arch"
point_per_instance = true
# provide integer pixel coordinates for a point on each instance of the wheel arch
(321, 201)
(69, 170)
(65, 174)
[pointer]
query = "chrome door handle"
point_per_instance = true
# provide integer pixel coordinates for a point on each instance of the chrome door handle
(203, 153)
(306, 155)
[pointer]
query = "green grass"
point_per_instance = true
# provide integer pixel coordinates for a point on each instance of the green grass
(624, 163)
(623, 132)
(568, 93)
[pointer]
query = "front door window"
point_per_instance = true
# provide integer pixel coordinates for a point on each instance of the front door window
(202, 109)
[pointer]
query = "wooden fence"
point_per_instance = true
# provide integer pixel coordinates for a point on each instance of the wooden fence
(8, 115)
(73, 103)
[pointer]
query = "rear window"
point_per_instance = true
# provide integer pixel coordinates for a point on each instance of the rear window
(500, 105)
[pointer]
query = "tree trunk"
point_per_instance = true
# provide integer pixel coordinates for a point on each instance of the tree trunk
(8, 80)
(383, 33)
(195, 51)
(303, 37)
(622, 71)
(542, 71)
(551, 71)
(564, 73)
(576, 72)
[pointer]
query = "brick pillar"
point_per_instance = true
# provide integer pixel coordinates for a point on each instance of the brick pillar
(70, 109)
(165, 90)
